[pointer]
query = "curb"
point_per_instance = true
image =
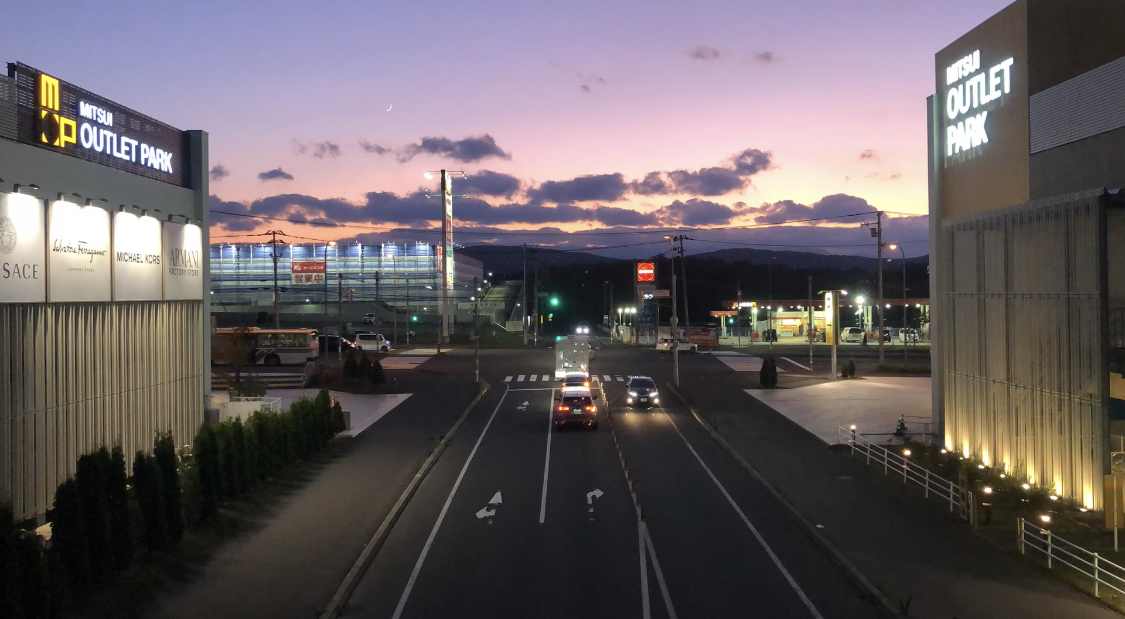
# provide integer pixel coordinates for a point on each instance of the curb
(849, 568)
(351, 580)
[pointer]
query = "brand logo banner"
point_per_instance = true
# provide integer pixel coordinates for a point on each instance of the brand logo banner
(646, 271)
(137, 258)
(183, 262)
(23, 262)
(79, 264)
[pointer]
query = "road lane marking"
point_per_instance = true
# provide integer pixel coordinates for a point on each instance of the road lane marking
(520, 379)
(620, 380)
(645, 612)
(547, 459)
(441, 516)
(534, 389)
(485, 512)
(758, 536)
(659, 574)
(607, 378)
(533, 377)
(803, 367)
(507, 379)
(546, 378)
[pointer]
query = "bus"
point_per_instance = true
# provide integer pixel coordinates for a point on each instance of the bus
(264, 346)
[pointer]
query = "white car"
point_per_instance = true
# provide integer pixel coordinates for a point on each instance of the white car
(852, 335)
(373, 342)
(665, 345)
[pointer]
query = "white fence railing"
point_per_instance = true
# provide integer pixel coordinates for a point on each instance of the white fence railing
(1099, 570)
(933, 485)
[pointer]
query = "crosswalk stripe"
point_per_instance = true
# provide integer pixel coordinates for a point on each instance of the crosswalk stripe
(620, 380)
(546, 378)
(607, 378)
(533, 377)
(507, 379)
(520, 379)
(803, 367)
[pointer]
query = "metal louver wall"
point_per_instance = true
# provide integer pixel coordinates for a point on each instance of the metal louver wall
(1022, 339)
(1078, 108)
(74, 377)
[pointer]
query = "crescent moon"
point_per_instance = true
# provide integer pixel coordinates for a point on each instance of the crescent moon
(389, 106)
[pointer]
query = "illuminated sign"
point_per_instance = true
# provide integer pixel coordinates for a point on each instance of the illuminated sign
(137, 270)
(64, 118)
(646, 272)
(79, 264)
(447, 230)
(968, 89)
(309, 272)
(829, 318)
(183, 262)
(23, 256)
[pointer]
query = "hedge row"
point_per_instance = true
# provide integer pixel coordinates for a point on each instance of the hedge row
(102, 517)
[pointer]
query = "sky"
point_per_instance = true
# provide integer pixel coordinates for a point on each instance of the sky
(581, 123)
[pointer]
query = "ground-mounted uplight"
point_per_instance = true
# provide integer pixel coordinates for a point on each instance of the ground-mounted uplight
(1026, 486)
(1045, 518)
(906, 452)
(1003, 476)
(944, 451)
(980, 466)
(1053, 497)
(987, 489)
(1083, 510)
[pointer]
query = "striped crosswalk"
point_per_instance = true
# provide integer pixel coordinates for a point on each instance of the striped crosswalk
(530, 378)
(744, 363)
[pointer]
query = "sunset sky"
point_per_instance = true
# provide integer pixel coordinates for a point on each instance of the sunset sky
(700, 114)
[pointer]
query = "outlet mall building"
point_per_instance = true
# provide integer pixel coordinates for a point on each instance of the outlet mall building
(103, 221)
(1027, 229)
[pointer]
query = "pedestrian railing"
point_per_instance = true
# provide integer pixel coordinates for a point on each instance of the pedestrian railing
(900, 465)
(1100, 571)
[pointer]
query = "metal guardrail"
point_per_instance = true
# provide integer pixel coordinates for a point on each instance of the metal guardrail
(1098, 569)
(900, 465)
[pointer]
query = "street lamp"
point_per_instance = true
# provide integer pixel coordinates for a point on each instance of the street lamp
(892, 247)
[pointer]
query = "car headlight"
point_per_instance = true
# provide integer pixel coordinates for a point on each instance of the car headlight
(632, 394)
(653, 394)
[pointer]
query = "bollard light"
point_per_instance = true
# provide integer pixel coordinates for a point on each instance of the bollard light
(980, 466)
(906, 452)
(987, 489)
(1053, 497)
(1045, 518)
(852, 427)
(1027, 486)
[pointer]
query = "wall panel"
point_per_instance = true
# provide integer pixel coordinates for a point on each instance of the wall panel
(75, 377)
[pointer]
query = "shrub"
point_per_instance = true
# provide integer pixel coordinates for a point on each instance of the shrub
(206, 465)
(68, 537)
(238, 451)
(375, 374)
(228, 463)
(150, 497)
(164, 452)
(851, 368)
(10, 603)
(767, 376)
(93, 485)
(351, 366)
(32, 577)
(338, 424)
(117, 494)
(249, 464)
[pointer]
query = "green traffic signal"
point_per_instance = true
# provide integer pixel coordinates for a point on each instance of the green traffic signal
(414, 318)
(554, 301)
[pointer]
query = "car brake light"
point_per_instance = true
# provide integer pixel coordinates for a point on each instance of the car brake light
(592, 409)
(563, 409)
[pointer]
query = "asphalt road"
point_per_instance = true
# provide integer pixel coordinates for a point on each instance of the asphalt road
(518, 520)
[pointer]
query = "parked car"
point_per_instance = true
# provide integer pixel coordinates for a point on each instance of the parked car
(852, 335)
(369, 319)
(371, 342)
(665, 345)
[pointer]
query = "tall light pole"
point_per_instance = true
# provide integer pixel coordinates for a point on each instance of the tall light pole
(905, 352)
(446, 245)
(675, 327)
(832, 322)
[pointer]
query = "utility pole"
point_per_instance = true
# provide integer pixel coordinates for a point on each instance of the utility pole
(376, 286)
(683, 271)
(523, 288)
(879, 237)
(446, 236)
(276, 295)
(409, 318)
(535, 316)
(738, 318)
(476, 326)
(339, 316)
(675, 321)
(326, 284)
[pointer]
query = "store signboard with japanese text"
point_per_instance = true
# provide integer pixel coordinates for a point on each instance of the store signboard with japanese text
(137, 258)
(79, 264)
(23, 261)
(183, 262)
(305, 273)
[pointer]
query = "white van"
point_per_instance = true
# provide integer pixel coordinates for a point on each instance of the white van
(372, 342)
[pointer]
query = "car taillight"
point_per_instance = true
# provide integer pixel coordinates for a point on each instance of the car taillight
(592, 409)
(563, 409)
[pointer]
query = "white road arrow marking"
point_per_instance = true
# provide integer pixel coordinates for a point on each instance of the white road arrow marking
(485, 512)
(523, 407)
(595, 494)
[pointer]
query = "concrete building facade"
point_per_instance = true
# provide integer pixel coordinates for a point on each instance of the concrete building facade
(1026, 132)
(103, 271)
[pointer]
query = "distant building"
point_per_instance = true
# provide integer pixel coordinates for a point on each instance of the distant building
(1027, 233)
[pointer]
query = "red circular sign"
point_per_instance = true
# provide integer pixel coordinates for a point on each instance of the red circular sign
(646, 271)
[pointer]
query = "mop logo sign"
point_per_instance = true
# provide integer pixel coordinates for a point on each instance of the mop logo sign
(646, 272)
(8, 235)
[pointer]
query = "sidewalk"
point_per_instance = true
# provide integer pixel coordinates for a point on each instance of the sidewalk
(291, 560)
(911, 551)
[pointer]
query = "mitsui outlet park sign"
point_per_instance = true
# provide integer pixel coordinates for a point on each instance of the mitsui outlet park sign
(61, 117)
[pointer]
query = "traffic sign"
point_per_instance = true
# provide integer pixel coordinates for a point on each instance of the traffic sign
(662, 294)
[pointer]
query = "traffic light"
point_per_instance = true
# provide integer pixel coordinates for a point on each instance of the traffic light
(414, 318)
(554, 301)
(550, 316)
